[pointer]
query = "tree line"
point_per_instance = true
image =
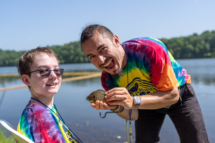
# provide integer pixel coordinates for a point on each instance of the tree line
(193, 46)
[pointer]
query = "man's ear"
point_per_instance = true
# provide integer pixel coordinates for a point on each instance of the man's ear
(116, 40)
(25, 79)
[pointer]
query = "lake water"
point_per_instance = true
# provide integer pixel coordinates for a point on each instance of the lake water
(85, 121)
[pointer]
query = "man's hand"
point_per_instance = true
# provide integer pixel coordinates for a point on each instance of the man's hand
(99, 105)
(119, 96)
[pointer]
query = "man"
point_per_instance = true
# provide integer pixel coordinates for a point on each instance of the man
(140, 74)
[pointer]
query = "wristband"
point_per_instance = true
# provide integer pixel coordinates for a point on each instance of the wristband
(121, 108)
(115, 108)
(137, 102)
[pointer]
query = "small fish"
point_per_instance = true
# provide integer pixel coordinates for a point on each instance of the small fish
(97, 95)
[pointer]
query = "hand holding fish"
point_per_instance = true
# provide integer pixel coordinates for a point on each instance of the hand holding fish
(102, 100)
(120, 96)
(99, 105)
(98, 101)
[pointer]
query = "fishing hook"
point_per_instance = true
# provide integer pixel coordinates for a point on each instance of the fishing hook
(105, 114)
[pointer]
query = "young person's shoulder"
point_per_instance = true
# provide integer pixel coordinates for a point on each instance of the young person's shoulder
(36, 115)
(33, 110)
(38, 124)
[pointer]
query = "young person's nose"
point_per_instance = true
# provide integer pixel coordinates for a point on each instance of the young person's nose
(52, 74)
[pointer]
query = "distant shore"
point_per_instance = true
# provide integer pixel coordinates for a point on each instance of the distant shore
(190, 47)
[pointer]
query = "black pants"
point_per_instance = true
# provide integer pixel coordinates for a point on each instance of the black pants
(186, 115)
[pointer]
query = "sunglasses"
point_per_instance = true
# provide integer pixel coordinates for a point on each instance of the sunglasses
(47, 72)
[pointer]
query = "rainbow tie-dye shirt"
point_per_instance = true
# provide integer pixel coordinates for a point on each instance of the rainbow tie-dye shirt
(43, 126)
(150, 67)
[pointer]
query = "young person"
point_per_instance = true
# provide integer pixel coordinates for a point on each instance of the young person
(40, 121)
(142, 76)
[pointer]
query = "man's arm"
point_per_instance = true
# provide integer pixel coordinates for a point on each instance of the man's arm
(156, 100)
(120, 96)
(160, 99)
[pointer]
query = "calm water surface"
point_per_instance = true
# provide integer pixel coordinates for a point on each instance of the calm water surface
(85, 121)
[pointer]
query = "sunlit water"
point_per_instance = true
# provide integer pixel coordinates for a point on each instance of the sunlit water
(85, 121)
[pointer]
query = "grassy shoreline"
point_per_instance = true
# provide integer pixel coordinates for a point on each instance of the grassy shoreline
(4, 138)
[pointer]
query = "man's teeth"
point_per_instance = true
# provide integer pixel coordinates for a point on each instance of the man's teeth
(52, 84)
(108, 63)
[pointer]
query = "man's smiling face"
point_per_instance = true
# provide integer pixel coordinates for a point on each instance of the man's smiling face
(105, 53)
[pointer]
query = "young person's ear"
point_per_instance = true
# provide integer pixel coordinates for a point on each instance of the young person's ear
(116, 40)
(25, 79)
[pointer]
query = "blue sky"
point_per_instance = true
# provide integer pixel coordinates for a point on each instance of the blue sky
(26, 24)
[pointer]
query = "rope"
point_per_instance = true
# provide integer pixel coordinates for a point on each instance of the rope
(64, 74)
(90, 75)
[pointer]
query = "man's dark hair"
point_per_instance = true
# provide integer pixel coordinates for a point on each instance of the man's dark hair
(90, 30)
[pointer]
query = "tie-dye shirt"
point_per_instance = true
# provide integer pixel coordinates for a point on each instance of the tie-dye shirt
(150, 67)
(41, 125)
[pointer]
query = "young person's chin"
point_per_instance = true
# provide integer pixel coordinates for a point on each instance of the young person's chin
(52, 91)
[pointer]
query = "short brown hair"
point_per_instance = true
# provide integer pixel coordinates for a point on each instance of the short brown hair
(90, 30)
(26, 60)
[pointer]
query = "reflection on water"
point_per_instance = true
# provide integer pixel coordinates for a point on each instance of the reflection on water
(2, 97)
(11, 79)
(85, 121)
(83, 67)
(85, 82)
(201, 70)
(207, 80)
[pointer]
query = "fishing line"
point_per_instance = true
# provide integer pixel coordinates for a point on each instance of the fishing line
(126, 121)
(130, 110)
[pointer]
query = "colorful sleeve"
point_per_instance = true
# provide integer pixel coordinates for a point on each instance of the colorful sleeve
(106, 81)
(160, 68)
(24, 125)
(42, 128)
